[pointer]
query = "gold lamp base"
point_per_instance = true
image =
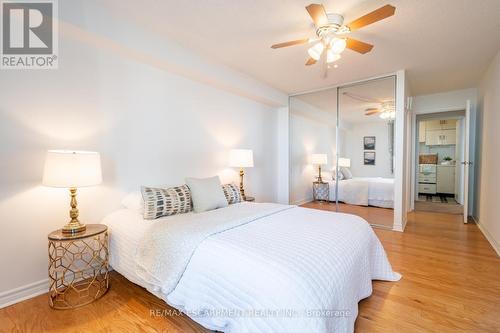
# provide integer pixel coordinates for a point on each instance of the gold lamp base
(242, 189)
(71, 228)
(74, 226)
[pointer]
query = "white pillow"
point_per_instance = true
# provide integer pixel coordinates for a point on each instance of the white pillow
(206, 193)
(133, 201)
(340, 175)
(346, 172)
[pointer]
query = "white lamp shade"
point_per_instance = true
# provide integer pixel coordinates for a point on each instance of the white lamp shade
(66, 168)
(241, 158)
(319, 159)
(344, 162)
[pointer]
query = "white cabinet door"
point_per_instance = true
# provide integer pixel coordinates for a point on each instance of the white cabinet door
(432, 125)
(449, 137)
(427, 188)
(421, 131)
(445, 181)
(432, 138)
(440, 137)
(448, 124)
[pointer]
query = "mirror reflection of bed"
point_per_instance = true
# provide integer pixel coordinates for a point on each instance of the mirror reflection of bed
(357, 143)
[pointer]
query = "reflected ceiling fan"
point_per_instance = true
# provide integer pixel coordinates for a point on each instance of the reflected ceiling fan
(386, 109)
(331, 33)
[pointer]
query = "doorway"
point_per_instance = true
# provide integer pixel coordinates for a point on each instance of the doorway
(441, 163)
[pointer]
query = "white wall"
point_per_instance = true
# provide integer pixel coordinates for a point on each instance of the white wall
(446, 101)
(353, 149)
(488, 156)
(312, 131)
(154, 115)
(283, 154)
(455, 101)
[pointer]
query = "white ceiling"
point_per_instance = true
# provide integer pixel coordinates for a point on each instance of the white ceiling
(352, 110)
(444, 44)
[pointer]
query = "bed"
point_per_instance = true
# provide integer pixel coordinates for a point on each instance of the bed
(253, 267)
(365, 191)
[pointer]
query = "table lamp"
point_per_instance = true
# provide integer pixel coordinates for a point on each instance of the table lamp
(319, 160)
(72, 169)
(241, 158)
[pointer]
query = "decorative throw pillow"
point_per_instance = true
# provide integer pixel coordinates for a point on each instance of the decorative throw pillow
(207, 193)
(232, 193)
(160, 202)
(346, 172)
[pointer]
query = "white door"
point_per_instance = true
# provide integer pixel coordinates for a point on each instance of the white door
(466, 163)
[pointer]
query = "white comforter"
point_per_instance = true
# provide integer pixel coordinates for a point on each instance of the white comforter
(285, 269)
(365, 191)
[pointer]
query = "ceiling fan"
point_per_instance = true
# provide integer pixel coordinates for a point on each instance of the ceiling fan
(386, 109)
(331, 32)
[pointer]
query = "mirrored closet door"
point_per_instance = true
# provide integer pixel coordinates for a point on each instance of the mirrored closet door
(365, 168)
(313, 120)
(341, 150)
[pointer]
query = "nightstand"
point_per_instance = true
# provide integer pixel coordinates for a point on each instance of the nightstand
(250, 199)
(78, 266)
(321, 191)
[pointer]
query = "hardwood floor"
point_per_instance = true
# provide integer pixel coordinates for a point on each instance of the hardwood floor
(374, 215)
(450, 284)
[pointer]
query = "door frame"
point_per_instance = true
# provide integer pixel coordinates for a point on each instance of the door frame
(415, 130)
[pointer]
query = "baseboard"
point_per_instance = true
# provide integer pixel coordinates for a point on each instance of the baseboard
(488, 236)
(302, 201)
(23, 293)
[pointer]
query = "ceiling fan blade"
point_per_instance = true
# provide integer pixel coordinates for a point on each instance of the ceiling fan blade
(372, 111)
(310, 62)
(318, 14)
(359, 46)
(376, 15)
(291, 43)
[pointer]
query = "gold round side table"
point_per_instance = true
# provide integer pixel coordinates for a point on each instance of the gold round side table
(78, 266)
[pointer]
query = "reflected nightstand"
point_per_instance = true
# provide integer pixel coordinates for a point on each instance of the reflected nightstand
(321, 191)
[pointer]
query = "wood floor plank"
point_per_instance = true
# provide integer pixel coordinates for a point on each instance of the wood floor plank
(450, 284)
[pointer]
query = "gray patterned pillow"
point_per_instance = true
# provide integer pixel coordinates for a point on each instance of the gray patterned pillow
(346, 172)
(232, 193)
(160, 202)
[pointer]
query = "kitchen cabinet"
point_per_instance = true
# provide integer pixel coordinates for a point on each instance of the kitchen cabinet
(421, 131)
(440, 137)
(441, 124)
(445, 179)
(427, 188)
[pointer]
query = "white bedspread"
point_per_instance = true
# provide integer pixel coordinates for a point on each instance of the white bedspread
(168, 245)
(291, 270)
(364, 191)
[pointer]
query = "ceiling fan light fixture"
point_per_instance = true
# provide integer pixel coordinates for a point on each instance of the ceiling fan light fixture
(316, 51)
(388, 115)
(331, 56)
(338, 45)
